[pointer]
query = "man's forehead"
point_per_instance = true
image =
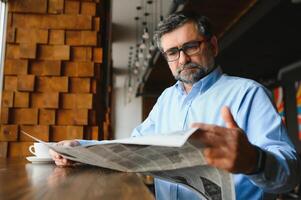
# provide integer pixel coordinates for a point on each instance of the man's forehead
(181, 35)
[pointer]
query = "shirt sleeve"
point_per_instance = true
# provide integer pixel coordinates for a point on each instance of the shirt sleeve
(90, 142)
(260, 120)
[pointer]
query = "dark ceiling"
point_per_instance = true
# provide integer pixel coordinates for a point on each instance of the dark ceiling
(269, 45)
(268, 39)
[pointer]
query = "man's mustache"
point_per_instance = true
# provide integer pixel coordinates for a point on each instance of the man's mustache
(187, 66)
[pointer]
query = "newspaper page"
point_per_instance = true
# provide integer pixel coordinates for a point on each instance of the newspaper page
(207, 182)
(178, 160)
(136, 158)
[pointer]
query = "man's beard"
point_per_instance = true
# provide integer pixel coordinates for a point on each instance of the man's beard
(192, 76)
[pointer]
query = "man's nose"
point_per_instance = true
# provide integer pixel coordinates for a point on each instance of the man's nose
(183, 58)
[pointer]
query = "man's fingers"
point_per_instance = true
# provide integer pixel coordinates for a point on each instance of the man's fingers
(228, 117)
(59, 159)
(208, 138)
(214, 152)
(63, 162)
(54, 154)
(208, 128)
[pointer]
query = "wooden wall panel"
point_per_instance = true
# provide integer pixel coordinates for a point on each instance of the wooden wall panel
(72, 7)
(9, 133)
(26, 82)
(60, 133)
(28, 6)
(81, 38)
(31, 36)
(75, 101)
(55, 6)
(54, 52)
(10, 83)
(3, 149)
(68, 22)
(15, 67)
(45, 100)
(28, 50)
(52, 73)
(88, 8)
(80, 85)
(38, 131)
(57, 37)
(4, 117)
(81, 54)
(72, 117)
(25, 116)
(21, 99)
(97, 55)
(11, 33)
(79, 69)
(12, 51)
(45, 68)
(19, 149)
(52, 84)
(7, 99)
(46, 117)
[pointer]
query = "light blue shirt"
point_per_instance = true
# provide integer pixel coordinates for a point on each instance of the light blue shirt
(253, 111)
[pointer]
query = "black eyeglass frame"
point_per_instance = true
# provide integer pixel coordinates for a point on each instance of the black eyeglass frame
(182, 48)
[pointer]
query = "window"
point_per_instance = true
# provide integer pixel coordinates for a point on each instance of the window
(3, 15)
(298, 99)
(279, 101)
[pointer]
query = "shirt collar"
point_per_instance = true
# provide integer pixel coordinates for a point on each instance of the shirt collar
(203, 84)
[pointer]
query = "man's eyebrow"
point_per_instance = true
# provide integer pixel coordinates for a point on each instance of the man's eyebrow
(192, 41)
(172, 48)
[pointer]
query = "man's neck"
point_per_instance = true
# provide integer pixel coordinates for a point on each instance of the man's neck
(187, 87)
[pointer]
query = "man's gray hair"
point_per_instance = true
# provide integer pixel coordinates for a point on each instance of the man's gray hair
(176, 20)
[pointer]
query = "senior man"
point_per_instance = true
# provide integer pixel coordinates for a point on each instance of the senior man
(236, 120)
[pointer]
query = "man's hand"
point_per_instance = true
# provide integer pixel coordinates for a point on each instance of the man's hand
(227, 148)
(58, 158)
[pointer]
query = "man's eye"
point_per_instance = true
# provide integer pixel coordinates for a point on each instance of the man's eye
(171, 52)
(191, 47)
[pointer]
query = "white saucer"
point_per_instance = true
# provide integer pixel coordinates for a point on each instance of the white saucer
(37, 160)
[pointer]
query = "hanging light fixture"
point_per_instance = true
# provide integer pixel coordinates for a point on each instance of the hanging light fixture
(149, 54)
(142, 44)
(149, 13)
(141, 54)
(146, 63)
(137, 63)
(138, 8)
(152, 46)
(130, 54)
(135, 71)
(145, 33)
(145, 29)
(161, 11)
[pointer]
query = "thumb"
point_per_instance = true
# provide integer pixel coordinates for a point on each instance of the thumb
(228, 117)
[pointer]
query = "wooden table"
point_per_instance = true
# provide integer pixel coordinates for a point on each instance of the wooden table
(20, 179)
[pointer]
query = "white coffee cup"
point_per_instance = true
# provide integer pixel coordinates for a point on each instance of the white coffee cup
(40, 150)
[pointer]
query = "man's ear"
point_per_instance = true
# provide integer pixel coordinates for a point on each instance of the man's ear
(214, 44)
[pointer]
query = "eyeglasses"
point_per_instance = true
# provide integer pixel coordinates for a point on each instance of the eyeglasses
(189, 48)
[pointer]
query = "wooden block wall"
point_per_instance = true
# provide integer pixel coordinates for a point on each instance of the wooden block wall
(53, 61)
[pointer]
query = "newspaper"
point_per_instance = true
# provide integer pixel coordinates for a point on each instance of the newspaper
(172, 157)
